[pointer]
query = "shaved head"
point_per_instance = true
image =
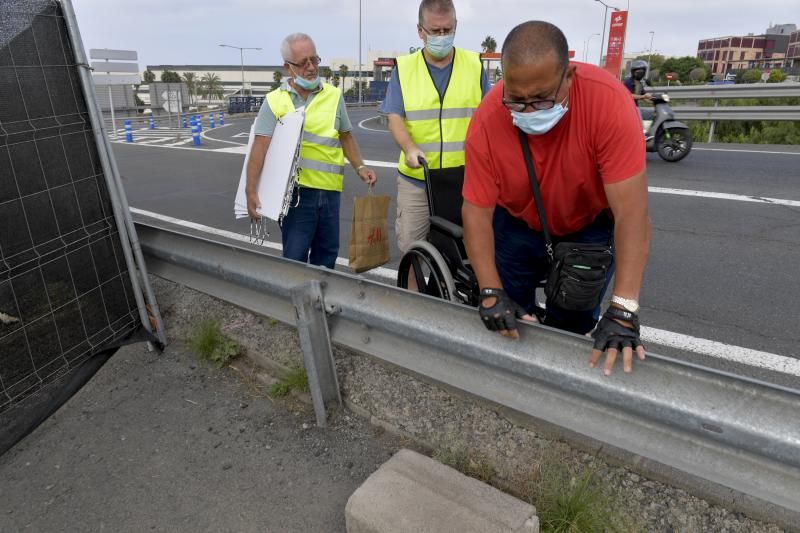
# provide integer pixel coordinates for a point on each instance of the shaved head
(531, 42)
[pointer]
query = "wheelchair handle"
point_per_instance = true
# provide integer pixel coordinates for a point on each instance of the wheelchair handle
(424, 162)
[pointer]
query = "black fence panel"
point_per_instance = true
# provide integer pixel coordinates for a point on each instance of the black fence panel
(65, 290)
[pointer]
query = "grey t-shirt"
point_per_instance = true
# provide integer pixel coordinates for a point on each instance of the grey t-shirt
(265, 121)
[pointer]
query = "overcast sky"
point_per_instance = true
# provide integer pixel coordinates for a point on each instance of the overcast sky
(189, 31)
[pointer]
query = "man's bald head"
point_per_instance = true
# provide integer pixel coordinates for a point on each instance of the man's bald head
(533, 41)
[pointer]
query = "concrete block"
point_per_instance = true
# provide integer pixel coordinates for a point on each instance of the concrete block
(413, 493)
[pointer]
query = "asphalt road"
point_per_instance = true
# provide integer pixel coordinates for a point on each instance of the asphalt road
(720, 269)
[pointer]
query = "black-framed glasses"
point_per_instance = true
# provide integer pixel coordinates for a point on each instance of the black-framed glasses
(314, 60)
(443, 32)
(538, 105)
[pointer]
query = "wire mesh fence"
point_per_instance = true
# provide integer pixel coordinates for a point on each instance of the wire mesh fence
(65, 289)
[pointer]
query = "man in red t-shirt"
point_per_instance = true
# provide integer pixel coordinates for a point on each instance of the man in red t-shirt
(589, 158)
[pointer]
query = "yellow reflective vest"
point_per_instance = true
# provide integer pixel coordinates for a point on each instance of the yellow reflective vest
(438, 126)
(321, 156)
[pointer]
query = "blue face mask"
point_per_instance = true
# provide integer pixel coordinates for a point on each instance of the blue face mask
(308, 85)
(539, 122)
(440, 45)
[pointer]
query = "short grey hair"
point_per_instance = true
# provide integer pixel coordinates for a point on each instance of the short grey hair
(286, 45)
(439, 7)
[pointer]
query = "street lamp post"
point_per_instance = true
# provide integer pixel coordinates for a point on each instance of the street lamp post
(586, 50)
(359, 51)
(603, 36)
(241, 58)
(650, 53)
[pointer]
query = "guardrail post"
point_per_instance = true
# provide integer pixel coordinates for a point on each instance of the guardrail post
(128, 131)
(713, 124)
(312, 325)
(221, 119)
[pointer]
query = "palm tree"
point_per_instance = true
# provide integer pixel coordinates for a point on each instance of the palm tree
(190, 79)
(211, 86)
(489, 44)
(326, 73)
(343, 74)
(335, 81)
(277, 76)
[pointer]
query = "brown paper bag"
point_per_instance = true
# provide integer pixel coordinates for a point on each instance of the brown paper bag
(369, 235)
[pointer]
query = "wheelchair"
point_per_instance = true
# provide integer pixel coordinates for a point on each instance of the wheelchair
(439, 265)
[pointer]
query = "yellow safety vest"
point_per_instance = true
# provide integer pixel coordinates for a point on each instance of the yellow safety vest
(321, 156)
(438, 126)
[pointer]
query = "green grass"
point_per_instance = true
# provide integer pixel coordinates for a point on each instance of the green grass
(294, 379)
(210, 344)
(575, 507)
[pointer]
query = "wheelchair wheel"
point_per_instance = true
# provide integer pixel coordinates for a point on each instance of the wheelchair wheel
(430, 271)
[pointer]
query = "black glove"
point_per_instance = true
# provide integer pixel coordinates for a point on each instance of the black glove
(503, 314)
(611, 334)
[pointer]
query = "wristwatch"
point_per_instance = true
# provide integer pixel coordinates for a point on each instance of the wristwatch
(626, 303)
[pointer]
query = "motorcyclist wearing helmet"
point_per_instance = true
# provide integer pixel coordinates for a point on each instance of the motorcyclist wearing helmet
(637, 84)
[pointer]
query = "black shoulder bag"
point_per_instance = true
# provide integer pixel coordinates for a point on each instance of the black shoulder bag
(577, 270)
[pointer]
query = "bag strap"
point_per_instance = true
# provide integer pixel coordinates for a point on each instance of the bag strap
(537, 195)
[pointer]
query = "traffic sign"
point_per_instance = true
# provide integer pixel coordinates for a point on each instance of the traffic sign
(669, 77)
(171, 101)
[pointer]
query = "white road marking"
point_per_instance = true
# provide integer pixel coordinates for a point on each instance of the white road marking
(725, 196)
(363, 127)
(743, 151)
(737, 354)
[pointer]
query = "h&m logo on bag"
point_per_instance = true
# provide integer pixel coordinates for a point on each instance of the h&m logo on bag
(375, 236)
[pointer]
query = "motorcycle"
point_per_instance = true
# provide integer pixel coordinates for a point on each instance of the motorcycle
(671, 138)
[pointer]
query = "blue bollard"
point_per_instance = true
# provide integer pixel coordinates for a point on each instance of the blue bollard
(211, 120)
(128, 131)
(184, 121)
(221, 119)
(199, 119)
(195, 132)
(152, 123)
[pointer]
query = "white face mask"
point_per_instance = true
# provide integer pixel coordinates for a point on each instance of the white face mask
(440, 45)
(542, 121)
(308, 85)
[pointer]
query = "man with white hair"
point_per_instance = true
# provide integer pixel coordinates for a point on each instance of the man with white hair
(310, 230)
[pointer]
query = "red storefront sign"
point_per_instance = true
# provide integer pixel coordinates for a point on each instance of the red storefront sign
(616, 42)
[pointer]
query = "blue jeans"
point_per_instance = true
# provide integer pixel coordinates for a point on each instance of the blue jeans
(522, 263)
(310, 231)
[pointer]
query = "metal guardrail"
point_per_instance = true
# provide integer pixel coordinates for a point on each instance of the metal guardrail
(743, 90)
(715, 427)
(722, 92)
(738, 113)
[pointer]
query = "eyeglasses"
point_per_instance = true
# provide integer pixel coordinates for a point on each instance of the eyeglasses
(314, 60)
(538, 105)
(441, 32)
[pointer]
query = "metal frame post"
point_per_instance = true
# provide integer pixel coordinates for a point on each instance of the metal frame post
(131, 248)
(312, 325)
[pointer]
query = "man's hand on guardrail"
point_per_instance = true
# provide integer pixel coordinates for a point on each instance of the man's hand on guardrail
(253, 203)
(500, 313)
(617, 331)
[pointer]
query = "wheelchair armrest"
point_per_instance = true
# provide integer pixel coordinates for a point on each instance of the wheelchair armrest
(448, 228)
